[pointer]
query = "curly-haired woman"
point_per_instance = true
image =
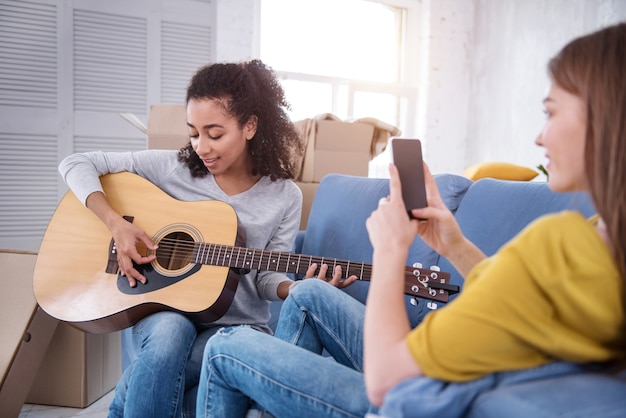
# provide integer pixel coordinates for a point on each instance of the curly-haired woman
(242, 151)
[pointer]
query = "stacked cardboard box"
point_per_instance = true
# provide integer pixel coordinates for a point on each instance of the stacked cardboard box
(26, 331)
(166, 128)
(340, 147)
(44, 361)
(333, 146)
(78, 368)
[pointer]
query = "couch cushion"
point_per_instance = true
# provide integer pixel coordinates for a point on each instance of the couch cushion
(501, 171)
(494, 211)
(336, 226)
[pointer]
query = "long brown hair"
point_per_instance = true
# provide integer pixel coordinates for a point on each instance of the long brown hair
(593, 67)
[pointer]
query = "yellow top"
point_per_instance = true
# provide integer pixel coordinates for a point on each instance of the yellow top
(552, 293)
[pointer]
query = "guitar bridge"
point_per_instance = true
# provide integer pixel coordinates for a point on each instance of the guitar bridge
(112, 265)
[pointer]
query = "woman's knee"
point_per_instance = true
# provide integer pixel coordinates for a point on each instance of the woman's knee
(164, 331)
(312, 293)
(230, 340)
(312, 289)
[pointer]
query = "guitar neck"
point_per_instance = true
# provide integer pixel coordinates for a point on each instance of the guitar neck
(255, 259)
(427, 283)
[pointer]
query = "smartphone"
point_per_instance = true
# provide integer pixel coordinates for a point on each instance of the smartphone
(407, 157)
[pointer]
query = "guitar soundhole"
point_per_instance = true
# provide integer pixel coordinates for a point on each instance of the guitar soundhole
(175, 250)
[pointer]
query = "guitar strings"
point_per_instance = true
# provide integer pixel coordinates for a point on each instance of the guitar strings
(184, 250)
(175, 246)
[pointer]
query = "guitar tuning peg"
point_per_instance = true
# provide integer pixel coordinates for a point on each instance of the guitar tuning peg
(413, 301)
(418, 265)
(431, 305)
(433, 274)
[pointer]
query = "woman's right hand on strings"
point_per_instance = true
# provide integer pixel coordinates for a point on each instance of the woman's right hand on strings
(126, 237)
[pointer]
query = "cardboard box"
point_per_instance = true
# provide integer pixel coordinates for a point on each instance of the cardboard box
(339, 147)
(78, 369)
(26, 330)
(167, 126)
(308, 193)
(335, 146)
(44, 361)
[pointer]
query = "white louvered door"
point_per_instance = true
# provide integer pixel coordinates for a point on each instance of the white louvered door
(28, 120)
(183, 48)
(67, 68)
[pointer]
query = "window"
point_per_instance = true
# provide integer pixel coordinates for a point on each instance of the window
(345, 57)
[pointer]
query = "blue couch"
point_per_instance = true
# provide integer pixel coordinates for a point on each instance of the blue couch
(490, 212)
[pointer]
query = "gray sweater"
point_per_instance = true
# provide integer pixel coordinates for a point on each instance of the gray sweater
(269, 212)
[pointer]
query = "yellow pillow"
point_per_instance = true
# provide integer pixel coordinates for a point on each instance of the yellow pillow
(501, 171)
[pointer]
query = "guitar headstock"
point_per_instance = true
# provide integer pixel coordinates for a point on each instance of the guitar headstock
(431, 284)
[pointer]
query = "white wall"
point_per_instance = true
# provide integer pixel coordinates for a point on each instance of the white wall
(445, 83)
(237, 29)
(487, 77)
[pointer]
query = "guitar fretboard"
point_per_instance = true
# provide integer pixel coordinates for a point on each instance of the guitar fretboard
(255, 259)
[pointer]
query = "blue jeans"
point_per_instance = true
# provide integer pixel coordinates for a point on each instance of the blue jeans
(424, 396)
(287, 375)
(168, 350)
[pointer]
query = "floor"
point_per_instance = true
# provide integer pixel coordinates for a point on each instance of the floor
(98, 409)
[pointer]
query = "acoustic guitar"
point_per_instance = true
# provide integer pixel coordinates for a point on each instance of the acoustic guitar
(77, 278)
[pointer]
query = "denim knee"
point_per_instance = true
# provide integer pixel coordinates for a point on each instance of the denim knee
(307, 293)
(229, 340)
(163, 332)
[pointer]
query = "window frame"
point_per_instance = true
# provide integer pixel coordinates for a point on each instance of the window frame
(406, 88)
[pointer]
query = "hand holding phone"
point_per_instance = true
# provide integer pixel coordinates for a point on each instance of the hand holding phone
(407, 157)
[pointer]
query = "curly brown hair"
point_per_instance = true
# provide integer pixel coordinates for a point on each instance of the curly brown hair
(250, 89)
(593, 67)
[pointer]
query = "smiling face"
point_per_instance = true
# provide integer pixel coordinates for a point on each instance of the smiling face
(218, 139)
(563, 138)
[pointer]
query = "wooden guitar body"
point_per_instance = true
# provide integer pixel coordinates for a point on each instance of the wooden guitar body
(71, 281)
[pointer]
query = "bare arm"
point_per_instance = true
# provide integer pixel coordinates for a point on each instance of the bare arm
(387, 359)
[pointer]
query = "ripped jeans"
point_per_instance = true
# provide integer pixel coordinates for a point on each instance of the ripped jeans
(286, 375)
